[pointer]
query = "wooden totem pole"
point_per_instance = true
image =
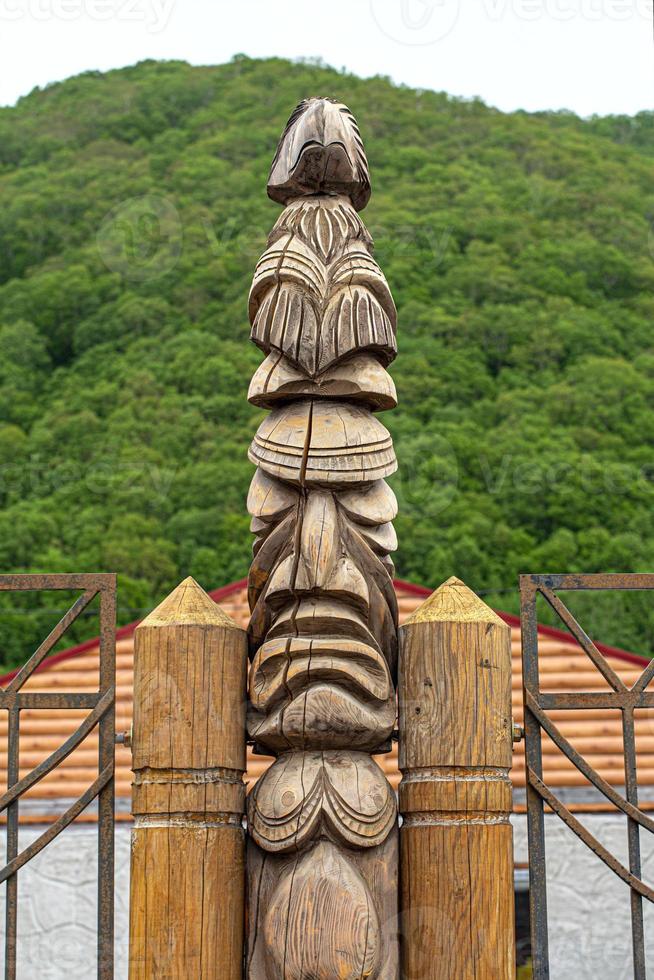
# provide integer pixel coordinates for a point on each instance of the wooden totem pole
(323, 841)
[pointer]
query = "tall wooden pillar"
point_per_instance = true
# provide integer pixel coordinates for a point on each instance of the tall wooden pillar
(322, 821)
(188, 864)
(456, 841)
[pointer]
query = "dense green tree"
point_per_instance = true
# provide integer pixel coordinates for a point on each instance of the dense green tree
(520, 250)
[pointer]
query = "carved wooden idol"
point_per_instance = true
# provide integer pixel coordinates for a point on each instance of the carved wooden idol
(322, 860)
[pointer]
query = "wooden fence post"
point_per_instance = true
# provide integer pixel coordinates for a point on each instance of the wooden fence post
(455, 796)
(188, 863)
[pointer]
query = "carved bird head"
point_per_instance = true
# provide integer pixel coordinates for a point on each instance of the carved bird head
(320, 152)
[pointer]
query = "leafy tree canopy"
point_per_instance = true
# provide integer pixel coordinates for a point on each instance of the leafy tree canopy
(520, 250)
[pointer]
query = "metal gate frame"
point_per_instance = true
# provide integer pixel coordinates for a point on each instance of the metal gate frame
(102, 714)
(536, 704)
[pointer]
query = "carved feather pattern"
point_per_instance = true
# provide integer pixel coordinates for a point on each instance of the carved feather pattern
(325, 224)
(317, 312)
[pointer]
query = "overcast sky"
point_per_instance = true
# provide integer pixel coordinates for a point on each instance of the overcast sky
(591, 56)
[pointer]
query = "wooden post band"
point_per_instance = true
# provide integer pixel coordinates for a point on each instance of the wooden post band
(188, 847)
(444, 795)
(455, 796)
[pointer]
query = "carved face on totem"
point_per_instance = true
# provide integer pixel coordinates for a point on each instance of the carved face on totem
(323, 625)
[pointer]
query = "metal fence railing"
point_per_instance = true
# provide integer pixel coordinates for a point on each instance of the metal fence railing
(537, 704)
(101, 707)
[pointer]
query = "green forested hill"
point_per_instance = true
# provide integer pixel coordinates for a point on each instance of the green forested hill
(520, 252)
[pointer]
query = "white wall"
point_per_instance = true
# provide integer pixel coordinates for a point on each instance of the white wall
(588, 907)
(57, 906)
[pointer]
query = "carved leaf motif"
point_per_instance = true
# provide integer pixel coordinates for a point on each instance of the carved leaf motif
(376, 504)
(269, 500)
(304, 794)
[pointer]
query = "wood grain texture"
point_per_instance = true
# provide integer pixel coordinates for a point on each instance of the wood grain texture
(322, 855)
(316, 442)
(455, 796)
(188, 848)
(327, 925)
(457, 901)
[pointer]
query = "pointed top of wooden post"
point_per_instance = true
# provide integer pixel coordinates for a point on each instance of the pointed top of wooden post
(454, 602)
(188, 605)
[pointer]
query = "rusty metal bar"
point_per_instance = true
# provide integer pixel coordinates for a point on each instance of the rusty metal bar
(536, 721)
(534, 761)
(55, 635)
(106, 799)
(631, 582)
(633, 838)
(582, 700)
(99, 581)
(48, 700)
(102, 706)
(11, 912)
